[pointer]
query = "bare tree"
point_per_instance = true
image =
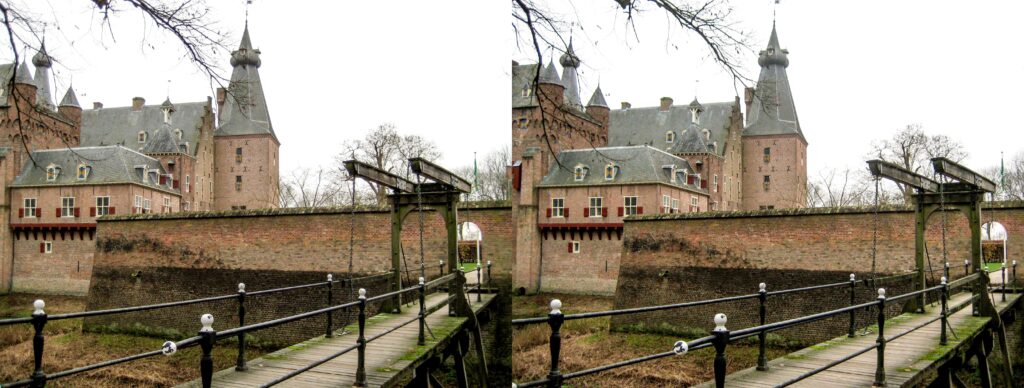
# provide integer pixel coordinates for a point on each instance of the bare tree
(1010, 178)
(710, 20)
(835, 188)
(913, 149)
(313, 187)
(491, 181)
(383, 147)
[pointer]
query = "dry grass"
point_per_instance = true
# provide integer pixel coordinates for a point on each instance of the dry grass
(587, 344)
(68, 347)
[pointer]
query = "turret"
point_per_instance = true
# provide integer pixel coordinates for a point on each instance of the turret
(24, 88)
(550, 87)
(70, 108)
(43, 62)
(598, 107)
(570, 79)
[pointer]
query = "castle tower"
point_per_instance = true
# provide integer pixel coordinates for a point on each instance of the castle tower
(570, 78)
(24, 87)
(70, 108)
(774, 147)
(43, 62)
(246, 146)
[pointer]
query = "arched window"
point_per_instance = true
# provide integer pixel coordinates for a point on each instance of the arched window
(610, 171)
(83, 172)
(579, 173)
(52, 172)
(142, 136)
(670, 137)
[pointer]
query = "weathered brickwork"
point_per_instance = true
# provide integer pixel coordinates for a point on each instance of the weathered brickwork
(785, 167)
(254, 160)
(686, 257)
(66, 269)
(592, 270)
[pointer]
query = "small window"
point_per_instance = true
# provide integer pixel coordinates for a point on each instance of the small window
(67, 207)
(714, 183)
(558, 207)
(52, 172)
(48, 247)
(167, 205)
(610, 171)
(596, 208)
(575, 247)
(666, 203)
(693, 200)
(83, 172)
(670, 137)
(629, 204)
(102, 206)
(138, 204)
(185, 206)
(579, 173)
(766, 207)
(767, 154)
(147, 206)
(186, 183)
(238, 155)
(178, 134)
(238, 183)
(527, 91)
(767, 182)
(30, 207)
(142, 136)
(675, 205)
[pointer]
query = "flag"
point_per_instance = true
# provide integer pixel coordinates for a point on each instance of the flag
(1002, 173)
(475, 173)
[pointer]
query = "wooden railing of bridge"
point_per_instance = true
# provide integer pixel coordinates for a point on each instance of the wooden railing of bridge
(721, 337)
(207, 336)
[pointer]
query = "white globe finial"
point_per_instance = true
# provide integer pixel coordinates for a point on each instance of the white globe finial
(947, 264)
(442, 262)
(943, 280)
(556, 306)
(421, 280)
(853, 277)
(881, 293)
(362, 293)
(967, 262)
(761, 287)
(1015, 263)
(1003, 265)
(38, 305)
(720, 321)
(478, 265)
(207, 321)
(169, 348)
(488, 263)
(241, 287)
(330, 277)
(681, 347)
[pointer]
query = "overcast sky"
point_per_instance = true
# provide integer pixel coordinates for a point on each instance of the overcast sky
(331, 70)
(859, 70)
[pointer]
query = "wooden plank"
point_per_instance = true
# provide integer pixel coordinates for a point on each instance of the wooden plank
(963, 174)
(883, 169)
(373, 174)
(438, 174)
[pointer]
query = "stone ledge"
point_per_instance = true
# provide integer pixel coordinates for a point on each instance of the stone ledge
(805, 212)
(298, 211)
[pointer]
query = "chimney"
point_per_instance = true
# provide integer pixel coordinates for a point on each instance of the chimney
(666, 102)
(137, 103)
(748, 97)
(626, 105)
(221, 95)
(97, 105)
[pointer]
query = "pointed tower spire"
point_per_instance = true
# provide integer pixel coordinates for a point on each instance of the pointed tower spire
(549, 74)
(23, 76)
(570, 79)
(70, 99)
(245, 107)
(43, 62)
(597, 99)
(772, 110)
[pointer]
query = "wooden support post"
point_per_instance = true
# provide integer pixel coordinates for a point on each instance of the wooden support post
(983, 371)
(921, 225)
(396, 256)
(240, 361)
(451, 225)
(460, 362)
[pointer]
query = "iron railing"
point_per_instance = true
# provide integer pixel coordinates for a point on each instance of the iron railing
(720, 336)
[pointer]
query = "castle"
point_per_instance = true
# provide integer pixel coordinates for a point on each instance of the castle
(64, 166)
(578, 169)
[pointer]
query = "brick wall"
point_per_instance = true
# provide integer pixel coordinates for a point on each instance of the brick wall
(786, 167)
(154, 258)
(65, 270)
(686, 257)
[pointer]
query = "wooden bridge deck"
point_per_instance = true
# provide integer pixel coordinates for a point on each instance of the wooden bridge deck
(906, 358)
(389, 359)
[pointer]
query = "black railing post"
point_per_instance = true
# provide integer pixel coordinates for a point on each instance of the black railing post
(853, 300)
(423, 312)
(361, 341)
(330, 302)
(555, 319)
(983, 271)
(880, 342)
(478, 282)
(489, 274)
(944, 295)
(1014, 273)
(1003, 274)
(945, 270)
(720, 341)
(38, 322)
(967, 267)
(240, 362)
(762, 297)
(207, 337)
(442, 268)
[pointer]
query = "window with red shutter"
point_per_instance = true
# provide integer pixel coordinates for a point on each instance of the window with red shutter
(604, 212)
(549, 212)
(39, 212)
(92, 212)
(21, 213)
(77, 212)
(565, 212)
(620, 211)
(639, 210)
(586, 212)
(42, 247)
(113, 210)
(58, 213)
(570, 247)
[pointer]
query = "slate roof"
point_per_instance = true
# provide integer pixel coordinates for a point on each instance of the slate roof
(597, 99)
(648, 126)
(637, 164)
(245, 107)
(70, 99)
(773, 111)
(110, 164)
(5, 77)
(121, 125)
(42, 62)
(522, 77)
(570, 79)
(164, 142)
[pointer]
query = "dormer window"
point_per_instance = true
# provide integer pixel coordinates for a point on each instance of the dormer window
(670, 137)
(83, 172)
(527, 91)
(177, 133)
(142, 136)
(610, 171)
(52, 172)
(579, 173)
